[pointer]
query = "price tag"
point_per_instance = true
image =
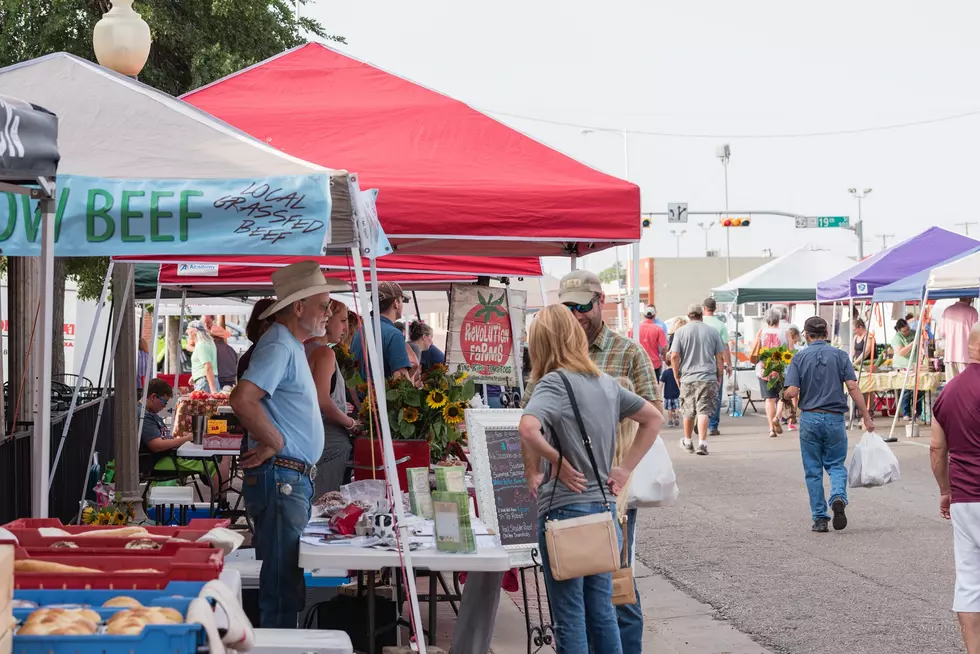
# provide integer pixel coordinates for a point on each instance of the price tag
(217, 426)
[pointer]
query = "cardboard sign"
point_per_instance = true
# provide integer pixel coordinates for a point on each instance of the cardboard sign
(217, 427)
(481, 341)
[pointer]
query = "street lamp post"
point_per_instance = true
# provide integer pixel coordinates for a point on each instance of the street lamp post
(677, 235)
(859, 226)
(121, 40)
(706, 227)
(635, 250)
(724, 154)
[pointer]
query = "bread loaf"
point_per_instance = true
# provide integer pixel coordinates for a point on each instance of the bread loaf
(122, 601)
(37, 565)
(121, 532)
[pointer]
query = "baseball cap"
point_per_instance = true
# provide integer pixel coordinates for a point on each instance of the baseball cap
(649, 310)
(389, 291)
(695, 309)
(579, 287)
(815, 327)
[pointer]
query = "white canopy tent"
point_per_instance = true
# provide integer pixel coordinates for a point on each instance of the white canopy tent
(963, 273)
(790, 278)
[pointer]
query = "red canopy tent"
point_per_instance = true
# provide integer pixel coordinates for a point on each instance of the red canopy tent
(450, 179)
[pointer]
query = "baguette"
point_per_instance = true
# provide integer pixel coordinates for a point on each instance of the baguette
(121, 532)
(35, 565)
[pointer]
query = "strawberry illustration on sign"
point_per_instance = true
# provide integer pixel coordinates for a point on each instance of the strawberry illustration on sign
(484, 335)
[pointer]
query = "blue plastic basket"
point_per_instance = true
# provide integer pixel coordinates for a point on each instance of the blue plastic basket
(173, 639)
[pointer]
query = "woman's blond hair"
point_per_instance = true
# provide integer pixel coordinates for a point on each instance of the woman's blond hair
(624, 441)
(677, 324)
(557, 342)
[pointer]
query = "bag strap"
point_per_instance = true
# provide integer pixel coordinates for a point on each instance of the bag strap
(585, 436)
(623, 559)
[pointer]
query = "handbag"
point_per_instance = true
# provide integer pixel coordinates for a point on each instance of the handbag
(756, 349)
(584, 546)
(624, 590)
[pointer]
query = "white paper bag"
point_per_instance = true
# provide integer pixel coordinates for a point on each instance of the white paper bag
(872, 464)
(653, 483)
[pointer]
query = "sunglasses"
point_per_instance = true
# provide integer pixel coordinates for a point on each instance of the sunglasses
(581, 308)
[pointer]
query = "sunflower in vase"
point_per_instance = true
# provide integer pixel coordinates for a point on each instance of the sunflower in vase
(775, 360)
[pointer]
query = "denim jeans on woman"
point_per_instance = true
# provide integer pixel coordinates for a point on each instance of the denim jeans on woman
(581, 609)
(280, 514)
(630, 616)
(823, 443)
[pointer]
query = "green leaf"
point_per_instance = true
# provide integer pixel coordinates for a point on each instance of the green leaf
(413, 399)
(406, 429)
(469, 389)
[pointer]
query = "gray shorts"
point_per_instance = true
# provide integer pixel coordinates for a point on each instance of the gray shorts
(699, 398)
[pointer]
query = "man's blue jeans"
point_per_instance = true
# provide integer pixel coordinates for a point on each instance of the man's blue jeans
(278, 501)
(630, 616)
(823, 443)
(907, 403)
(715, 419)
(581, 609)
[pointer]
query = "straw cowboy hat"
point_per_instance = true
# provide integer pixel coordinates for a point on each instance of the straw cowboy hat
(297, 282)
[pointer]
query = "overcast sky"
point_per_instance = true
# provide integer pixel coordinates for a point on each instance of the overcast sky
(725, 69)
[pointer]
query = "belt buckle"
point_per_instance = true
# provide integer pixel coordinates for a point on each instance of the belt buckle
(312, 472)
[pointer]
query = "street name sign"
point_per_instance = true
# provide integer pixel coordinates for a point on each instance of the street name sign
(804, 222)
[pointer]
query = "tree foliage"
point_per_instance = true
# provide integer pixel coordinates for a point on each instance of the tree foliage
(195, 42)
(608, 276)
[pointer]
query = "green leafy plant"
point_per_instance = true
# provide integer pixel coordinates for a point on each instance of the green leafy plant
(775, 360)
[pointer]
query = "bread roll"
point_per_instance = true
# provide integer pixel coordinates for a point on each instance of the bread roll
(129, 625)
(88, 614)
(143, 544)
(121, 602)
(121, 532)
(37, 565)
(78, 628)
(35, 629)
(172, 616)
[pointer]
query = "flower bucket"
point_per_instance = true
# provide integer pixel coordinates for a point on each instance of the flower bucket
(408, 454)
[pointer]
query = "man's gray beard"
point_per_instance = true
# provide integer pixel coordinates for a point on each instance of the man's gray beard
(314, 332)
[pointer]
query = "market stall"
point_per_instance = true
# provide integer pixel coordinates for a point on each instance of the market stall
(960, 277)
(790, 278)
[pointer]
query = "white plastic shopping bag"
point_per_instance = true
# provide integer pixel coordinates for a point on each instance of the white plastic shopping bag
(872, 464)
(653, 483)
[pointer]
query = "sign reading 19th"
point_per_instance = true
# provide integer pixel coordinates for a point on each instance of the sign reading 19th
(803, 222)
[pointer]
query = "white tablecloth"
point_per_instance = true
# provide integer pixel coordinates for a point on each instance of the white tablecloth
(326, 560)
(195, 451)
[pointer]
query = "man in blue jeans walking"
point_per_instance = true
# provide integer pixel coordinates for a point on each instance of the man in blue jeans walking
(818, 375)
(710, 306)
(276, 402)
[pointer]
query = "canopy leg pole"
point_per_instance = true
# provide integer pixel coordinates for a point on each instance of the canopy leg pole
(635, 303)
(376, 370)
(166, 348)
(544, 299)
(111, 355)
(516, 332)
(920, 328)
(180, 331)
(78, 382)
(415, 301)
(850, 354)
(146, 385)
(908, 369)
(41, 450)
(376, 314)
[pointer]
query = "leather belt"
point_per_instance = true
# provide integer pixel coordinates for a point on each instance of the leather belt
(298, 466)
(820, 411)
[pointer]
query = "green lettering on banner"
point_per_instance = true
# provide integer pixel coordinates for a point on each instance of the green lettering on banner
(91, 213)
(156, 214)
(126, 214)
(32, 219)
(185, 213)
(11, 217)
(60, 211)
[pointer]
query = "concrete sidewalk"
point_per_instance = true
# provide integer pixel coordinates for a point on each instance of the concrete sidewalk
(674, 622)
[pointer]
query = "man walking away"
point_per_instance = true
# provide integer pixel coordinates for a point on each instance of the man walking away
(955, 454)
(710, 306)
(697, 358)
(653, 339)
(817, 377)
(955, 327)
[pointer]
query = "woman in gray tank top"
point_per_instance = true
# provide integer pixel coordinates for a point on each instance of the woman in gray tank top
(332, 395)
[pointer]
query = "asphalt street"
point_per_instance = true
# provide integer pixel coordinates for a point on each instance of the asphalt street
(739, 540)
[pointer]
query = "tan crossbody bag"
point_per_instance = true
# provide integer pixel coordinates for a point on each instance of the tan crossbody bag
(579, 547)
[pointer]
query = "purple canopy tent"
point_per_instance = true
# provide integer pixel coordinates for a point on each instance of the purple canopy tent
(916, 254)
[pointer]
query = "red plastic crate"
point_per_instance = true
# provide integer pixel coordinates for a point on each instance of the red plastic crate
(184, 565)
(168, 549)
(33, 538)
(197, 524)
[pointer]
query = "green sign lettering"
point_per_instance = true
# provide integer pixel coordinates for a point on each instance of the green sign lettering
(185, 213)
(156, 214)
(11, 217)
(126, 214)
(91, 213)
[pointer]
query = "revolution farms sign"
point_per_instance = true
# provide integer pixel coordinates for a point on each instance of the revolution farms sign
(97, 217)
(481, 341)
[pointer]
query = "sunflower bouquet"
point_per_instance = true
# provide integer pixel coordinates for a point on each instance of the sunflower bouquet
(775, 361)
(432, 411)
(350, 367)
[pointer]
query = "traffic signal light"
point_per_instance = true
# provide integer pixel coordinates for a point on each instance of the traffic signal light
(735, 222)
(646, 221)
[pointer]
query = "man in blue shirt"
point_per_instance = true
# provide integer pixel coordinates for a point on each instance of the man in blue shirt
(394, 352)
(817, 376)
(276, 401)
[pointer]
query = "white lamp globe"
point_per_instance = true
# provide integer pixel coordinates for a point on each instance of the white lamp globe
(122, 39)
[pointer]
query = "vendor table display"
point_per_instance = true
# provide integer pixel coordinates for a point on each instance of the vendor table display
(879, 382)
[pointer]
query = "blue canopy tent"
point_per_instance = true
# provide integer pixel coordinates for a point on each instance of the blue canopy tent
(913, 287)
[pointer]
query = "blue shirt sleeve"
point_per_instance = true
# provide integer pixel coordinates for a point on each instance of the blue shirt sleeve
(792, 375)
(396, 352)
(847, 368)
(268, 367)
(436, 355)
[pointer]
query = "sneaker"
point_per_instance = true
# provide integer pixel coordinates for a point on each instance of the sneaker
(840, 520)
(820, 526)
(687, 445)
(772, 434)
(714, 432)
(702, 448)
(889, 439)
(777, 427)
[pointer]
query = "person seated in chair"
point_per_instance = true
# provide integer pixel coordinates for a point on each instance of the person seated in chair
(157, 441)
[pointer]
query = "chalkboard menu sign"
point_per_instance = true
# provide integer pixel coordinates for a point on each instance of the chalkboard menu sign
(517, 513)
(502, 495)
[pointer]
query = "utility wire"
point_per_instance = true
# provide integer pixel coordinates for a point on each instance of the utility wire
(695, 135)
